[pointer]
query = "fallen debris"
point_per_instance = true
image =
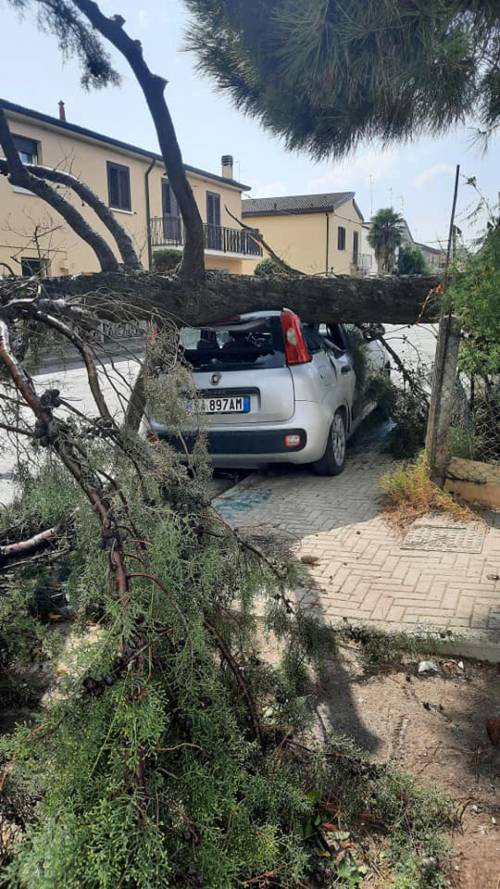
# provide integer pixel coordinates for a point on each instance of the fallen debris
(427, 667)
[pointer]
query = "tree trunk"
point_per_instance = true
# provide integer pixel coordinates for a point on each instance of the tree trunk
(19, 175)
(192, 263)
(389, 300)
(123, 240)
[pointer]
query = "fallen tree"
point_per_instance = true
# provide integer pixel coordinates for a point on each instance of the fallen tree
(219, 296)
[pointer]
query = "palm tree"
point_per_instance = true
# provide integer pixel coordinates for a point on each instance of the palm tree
(384, 236)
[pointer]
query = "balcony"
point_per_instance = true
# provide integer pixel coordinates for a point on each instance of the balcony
(362, 262)
(168, 231)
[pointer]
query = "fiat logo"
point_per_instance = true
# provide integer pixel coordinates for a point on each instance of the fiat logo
(215, 378)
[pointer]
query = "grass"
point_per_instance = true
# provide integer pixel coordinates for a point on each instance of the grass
(409, 493)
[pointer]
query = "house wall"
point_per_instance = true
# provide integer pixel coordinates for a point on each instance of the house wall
(24, 215)
(301, 238)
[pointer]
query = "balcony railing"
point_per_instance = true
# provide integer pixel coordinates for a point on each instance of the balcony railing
(168, 231)
(362, 262)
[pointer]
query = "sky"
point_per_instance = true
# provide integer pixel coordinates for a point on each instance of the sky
(415, 178)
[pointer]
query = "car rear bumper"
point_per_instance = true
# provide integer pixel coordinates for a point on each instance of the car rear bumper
(251, 442)
(262, 444)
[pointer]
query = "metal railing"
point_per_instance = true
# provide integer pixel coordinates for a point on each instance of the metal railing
(362, 262)
(168, 231)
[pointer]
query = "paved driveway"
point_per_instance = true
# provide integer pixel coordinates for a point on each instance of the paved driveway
(440, 575)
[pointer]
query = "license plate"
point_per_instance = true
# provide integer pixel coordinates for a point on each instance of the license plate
(233, 405)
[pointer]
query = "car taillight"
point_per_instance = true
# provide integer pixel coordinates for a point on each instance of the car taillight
(152, 437)
(153, 336)
(296, 351)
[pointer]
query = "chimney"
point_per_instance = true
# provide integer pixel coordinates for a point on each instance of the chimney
(62, 112)
(227, 166)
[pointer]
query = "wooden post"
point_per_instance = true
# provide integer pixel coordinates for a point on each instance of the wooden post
(443, 395)
(444, 379)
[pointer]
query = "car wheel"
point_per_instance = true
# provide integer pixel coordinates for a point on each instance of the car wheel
(333, 460)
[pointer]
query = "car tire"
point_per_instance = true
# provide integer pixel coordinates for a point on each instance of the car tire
(333, 460)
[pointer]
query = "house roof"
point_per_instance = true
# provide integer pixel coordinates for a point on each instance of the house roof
(109, 140)
(437, 251)
(298, 203)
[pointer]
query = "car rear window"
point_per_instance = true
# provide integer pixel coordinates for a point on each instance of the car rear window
(254, 343)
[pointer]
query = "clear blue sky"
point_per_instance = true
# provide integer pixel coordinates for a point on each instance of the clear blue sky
(416, 178)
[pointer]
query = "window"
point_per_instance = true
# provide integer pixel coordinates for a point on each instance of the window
(255, 343)
(119, 187)
(214, 231)
(355, 248)
(213, 208)
(172, 223)
(314, 340)
(27, 149)
(33, 266)
(341, 238)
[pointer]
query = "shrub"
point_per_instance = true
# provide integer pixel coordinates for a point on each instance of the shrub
(267, 268)
(166, 259)
(411, 261)
(410, 493)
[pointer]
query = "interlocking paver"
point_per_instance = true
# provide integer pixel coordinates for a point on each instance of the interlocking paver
(363, 571)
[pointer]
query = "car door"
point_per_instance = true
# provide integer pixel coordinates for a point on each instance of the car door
(337, 343)
(325, 369)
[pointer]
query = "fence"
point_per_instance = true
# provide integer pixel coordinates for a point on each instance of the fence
(464, 415)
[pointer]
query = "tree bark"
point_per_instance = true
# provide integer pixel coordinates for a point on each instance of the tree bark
(19, 175)
(123, 240)
(389, 300)
(192, 263)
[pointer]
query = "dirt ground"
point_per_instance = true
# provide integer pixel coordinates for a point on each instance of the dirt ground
(433, 726)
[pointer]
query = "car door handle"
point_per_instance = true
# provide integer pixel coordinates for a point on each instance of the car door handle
(346, 368)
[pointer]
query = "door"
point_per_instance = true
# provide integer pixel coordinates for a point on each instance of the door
(325, 369)
(214, 230)
(337, 342)
(172, 222)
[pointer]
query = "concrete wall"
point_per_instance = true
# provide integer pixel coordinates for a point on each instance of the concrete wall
(301, 239)
(25, 219)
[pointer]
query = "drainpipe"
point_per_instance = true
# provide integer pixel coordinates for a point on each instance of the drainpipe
(327, 252)
(148, 212)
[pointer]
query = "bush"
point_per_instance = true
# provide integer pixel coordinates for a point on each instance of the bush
(166, 260)
(410, 493)
(411, 261)
(409, 413)
(267, 268)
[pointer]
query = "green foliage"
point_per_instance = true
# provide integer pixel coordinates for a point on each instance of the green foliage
(327, 75)
(166, 259)
(409, 412)
(379, 647)
(384, 236)
(474, 292)
(410, 493)
(411, 261)
(267, 268)
(157, 778)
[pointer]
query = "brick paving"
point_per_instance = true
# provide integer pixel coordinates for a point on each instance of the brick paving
(361, 570)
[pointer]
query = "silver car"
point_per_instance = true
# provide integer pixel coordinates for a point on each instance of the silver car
(274, 390)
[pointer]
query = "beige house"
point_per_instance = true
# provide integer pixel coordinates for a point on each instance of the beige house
(319, 234)
(131, 180)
